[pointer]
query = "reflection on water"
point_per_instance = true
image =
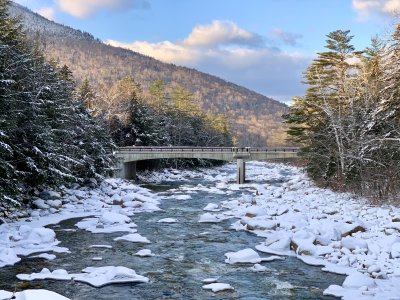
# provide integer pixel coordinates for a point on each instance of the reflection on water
(186, 253)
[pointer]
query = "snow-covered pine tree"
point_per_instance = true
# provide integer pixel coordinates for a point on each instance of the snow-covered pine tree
(317, 120)
(46, 135)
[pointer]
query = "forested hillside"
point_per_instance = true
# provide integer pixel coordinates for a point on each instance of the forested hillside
(254, 119)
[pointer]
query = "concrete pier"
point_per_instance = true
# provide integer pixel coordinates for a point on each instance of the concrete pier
(126, 170)
(241, 171)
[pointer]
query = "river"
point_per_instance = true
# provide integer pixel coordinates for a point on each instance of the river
(186, 252)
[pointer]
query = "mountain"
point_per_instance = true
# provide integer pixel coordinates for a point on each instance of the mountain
(255, 120)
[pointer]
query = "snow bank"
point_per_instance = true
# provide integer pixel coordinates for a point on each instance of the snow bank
(111, 207)
(31, 295)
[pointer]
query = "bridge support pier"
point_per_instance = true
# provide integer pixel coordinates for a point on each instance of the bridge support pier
(241, 171)
(130, 170)
(126, 170)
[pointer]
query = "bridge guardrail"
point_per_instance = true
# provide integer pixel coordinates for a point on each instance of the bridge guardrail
(139, 149)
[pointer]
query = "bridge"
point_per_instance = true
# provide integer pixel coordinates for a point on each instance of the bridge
(128, 156)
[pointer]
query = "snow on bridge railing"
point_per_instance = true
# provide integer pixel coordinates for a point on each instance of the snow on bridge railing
(139, 149)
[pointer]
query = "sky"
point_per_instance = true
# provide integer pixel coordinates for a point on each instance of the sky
(264, 45)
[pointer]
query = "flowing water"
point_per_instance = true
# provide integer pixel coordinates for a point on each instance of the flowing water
(186, 253)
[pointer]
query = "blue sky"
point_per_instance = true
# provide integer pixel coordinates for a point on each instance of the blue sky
(263, 45)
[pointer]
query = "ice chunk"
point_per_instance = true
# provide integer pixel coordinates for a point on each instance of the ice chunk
(168, 220)
(96, 277)
(209, 280)
(102, 276)
(353, 243)
(357, 280)
(259, 268)
(395, 250)
(217, 287)
(114, 218)
(247, 255)
(32, 295)
(133, 237)
(144, 253)
(212, 207)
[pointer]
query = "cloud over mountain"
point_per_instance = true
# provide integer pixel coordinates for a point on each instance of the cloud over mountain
(85, 8)
(235, 54)
(47, 12)
(222, 33)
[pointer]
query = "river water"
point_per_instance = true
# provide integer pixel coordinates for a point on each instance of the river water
(186, 253)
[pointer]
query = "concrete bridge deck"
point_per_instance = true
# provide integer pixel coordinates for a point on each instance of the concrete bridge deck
(128, 156)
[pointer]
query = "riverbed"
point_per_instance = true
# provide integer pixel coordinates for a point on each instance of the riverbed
(185, 252)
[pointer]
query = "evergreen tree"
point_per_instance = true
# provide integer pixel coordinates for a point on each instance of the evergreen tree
(10, 28)
(86, 94)
(317, 120)
(132, 122)
(46, 136)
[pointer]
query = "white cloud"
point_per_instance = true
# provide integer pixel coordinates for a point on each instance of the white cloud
(86, 8)
(234, 54)
(47, 12)
(220, 33)
(383, 7)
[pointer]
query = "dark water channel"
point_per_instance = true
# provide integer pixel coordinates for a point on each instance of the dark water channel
(186, 252)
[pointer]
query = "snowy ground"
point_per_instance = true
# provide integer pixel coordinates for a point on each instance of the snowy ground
(108, 208)
(335, 231)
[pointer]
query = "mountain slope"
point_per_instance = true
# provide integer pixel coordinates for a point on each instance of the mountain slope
(255, 120)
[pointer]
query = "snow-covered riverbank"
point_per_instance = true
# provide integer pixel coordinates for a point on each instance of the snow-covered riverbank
(335, 231)
(108, 209)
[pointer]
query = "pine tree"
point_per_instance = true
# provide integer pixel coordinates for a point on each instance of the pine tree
(317, 119)
(46, 136)
(10, 28)
(86, 94)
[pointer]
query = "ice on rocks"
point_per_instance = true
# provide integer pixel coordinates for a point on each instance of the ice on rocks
(212, 218)
(217, 287)
(247, 255)
(102, 276)
(133, 237)
(108, 222)
(259, 268)
(45, 256)
(353, 243)
(101, 246)
(395, 250)
(277, 242)
(183, 197)
(8, 257)
(144, 253)
(40, 203)
(357, 280)
(95, 276)
(168, 220)
(303, 243)
(114, 218)
(38, 294)
(212, 207)
(258, 223)
(24, 240)
(209, 280)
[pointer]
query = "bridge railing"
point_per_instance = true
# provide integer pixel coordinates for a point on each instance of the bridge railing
(141, 149)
